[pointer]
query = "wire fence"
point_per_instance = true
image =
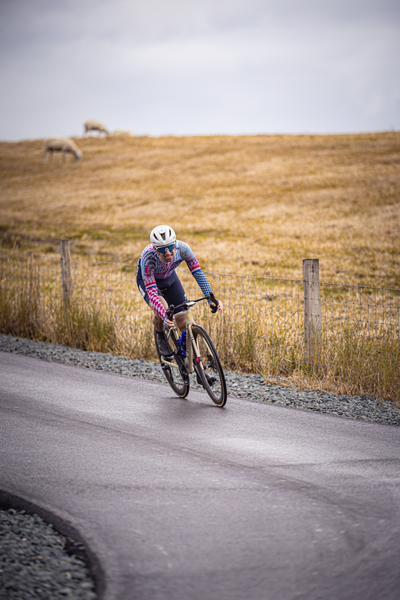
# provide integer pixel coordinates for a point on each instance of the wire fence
(355, 335)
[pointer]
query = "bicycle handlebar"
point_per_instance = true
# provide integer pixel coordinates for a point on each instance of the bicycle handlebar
(215, 301)
(188, 303)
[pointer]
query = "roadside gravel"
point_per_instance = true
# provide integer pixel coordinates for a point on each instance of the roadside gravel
(37, 562)
(34, 559)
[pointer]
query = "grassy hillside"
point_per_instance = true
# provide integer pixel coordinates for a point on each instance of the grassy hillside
(246, 204)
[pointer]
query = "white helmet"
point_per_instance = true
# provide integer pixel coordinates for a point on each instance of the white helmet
(162, 235)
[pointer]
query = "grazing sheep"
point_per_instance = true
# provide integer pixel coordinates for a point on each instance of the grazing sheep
(92, 125)
(64, 145)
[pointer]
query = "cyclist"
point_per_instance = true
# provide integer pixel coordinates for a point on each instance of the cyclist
(160, 285)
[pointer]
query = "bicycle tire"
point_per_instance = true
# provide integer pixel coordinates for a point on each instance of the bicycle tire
(177, 378)
(209, 369)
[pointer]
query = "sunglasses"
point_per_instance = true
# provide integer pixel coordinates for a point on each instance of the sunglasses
(163, 249)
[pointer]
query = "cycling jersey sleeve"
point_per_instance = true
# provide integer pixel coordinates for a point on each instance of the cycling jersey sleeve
(155, 303)
(150, 284)
(195, 269)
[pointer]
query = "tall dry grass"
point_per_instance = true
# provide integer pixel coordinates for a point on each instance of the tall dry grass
(75, 324)
(344, 360)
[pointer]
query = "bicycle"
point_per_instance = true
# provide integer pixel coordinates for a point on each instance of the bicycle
(201, 357)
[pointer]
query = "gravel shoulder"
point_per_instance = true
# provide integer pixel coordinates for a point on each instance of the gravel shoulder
(36, 561)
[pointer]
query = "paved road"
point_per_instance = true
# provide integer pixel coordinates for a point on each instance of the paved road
(182, 500)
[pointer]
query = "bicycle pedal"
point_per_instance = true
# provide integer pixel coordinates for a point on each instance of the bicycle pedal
(211, 380)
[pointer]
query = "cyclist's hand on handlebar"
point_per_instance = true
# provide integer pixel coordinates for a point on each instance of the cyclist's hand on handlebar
(215, 304)
(220, 306)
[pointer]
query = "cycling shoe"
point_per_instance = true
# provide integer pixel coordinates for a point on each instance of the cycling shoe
(163, 345)
(210, 379)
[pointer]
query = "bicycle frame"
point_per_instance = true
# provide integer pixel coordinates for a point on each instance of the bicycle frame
(192, 352)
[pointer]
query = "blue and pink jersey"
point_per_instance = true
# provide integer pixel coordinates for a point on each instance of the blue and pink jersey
(153, 269)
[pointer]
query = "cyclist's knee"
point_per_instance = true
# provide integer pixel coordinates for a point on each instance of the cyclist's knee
(158, 322)
(181, 322)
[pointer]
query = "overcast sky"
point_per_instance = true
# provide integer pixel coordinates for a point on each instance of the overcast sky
(199, 66)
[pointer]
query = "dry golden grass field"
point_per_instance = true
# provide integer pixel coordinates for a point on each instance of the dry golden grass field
(246, 204)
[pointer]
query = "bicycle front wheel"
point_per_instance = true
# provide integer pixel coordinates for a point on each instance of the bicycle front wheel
(175, 373)
(208, 367)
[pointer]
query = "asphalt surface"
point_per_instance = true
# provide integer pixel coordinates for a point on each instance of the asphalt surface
(181, 500)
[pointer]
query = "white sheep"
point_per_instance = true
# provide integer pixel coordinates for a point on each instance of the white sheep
(93, 125)
(64, 145)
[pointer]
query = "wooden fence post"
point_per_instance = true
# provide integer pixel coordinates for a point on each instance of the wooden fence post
(312, 307)
(67, 282)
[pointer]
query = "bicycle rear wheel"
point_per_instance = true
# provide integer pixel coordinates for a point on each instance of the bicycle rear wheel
(209, 368)
(176, 375)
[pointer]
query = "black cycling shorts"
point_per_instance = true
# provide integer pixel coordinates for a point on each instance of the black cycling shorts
(170, 288)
